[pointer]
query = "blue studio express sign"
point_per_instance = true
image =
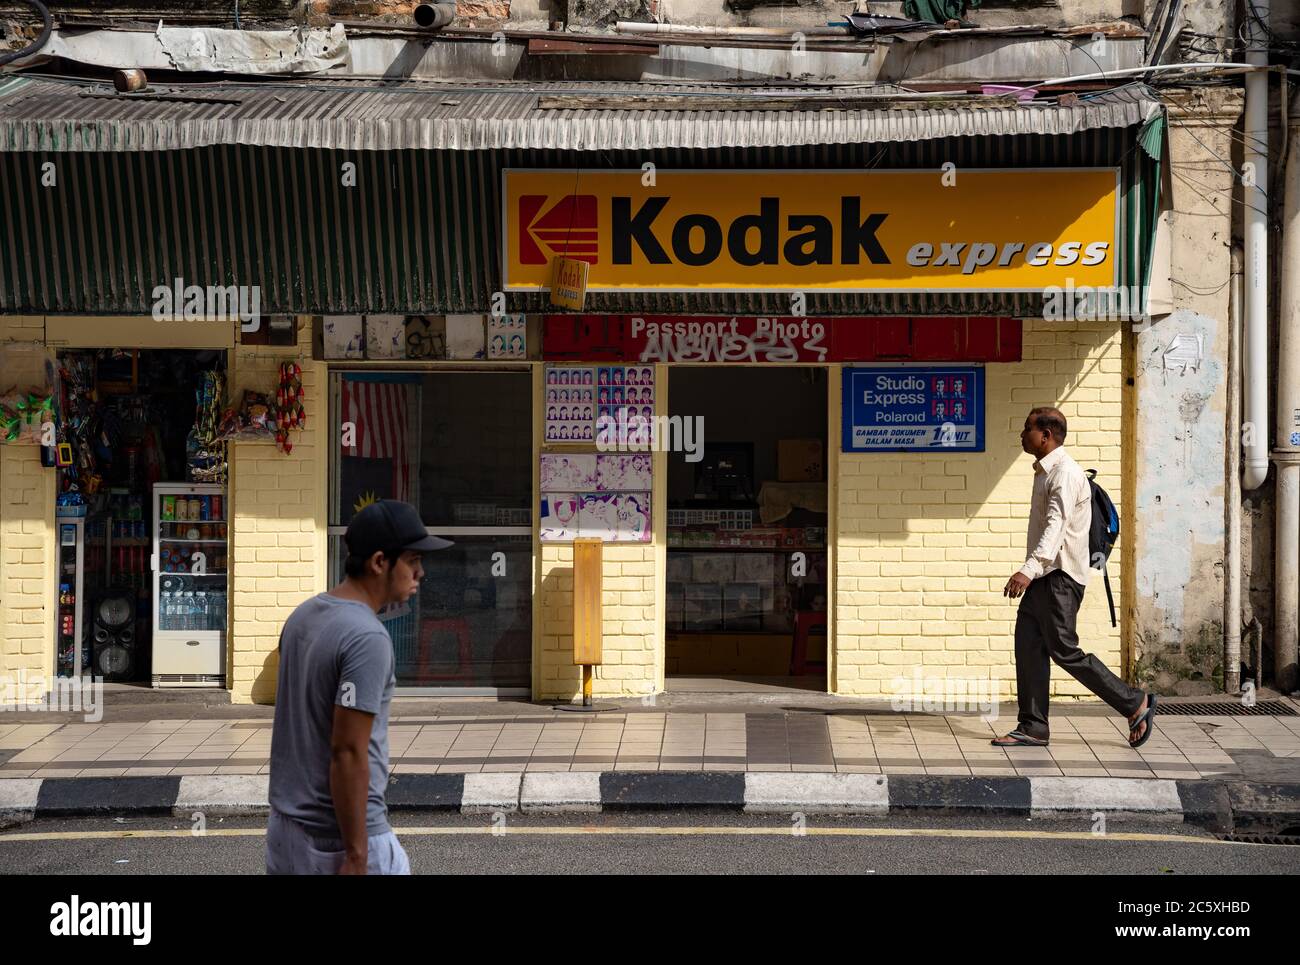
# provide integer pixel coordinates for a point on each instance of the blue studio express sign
(913, 408)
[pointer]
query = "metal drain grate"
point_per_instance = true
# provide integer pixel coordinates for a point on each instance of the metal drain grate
(1255, 837)
(1226, 708)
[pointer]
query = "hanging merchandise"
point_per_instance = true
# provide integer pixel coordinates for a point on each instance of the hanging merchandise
(261, 418)
(289, 411)
(204, 449)
(22, 415)
(79, 422)
(251, 422)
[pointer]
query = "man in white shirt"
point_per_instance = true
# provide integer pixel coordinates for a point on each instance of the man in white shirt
(1051, 584)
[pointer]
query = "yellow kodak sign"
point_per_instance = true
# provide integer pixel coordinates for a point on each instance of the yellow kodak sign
(814, 231)
(569, 283)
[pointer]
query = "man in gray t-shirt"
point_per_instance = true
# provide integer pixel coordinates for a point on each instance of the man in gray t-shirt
(329, 744)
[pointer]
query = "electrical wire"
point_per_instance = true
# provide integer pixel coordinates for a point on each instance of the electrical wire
(1201, 291)
(1195, 188)
(1127, 71)
(47, 28)
(1236, 175)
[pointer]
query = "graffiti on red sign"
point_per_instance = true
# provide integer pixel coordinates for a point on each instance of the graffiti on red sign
(727, 340)
(722, 338)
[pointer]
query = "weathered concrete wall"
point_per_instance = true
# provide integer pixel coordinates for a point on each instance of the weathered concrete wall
(176, 11)
(1208, 25)
(1180, 379)
(602, 14)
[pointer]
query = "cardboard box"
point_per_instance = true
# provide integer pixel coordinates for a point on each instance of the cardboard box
(675, 618)
(702, 606)
(713, 567)
(742, 606)
(754, 568)
(800, 460)
(680, 569)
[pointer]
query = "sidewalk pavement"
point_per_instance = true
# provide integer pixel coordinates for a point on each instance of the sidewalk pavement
(826, 753)
(507, 737)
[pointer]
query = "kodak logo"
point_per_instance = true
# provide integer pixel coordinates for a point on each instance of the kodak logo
(567, 228)
(765, 237)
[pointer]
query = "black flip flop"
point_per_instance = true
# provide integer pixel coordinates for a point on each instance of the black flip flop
(1021, 740)
(1150, 718)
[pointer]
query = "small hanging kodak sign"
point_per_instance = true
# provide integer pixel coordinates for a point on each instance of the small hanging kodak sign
(569, 283)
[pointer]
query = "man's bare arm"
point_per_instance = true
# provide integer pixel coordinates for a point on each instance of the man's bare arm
(350, 783)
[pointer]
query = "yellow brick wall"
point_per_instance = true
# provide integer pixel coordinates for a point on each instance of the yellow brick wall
(926, 542)
(633, 580)
(277, 530)
(27, 535)
(28, 573)
(632, 663)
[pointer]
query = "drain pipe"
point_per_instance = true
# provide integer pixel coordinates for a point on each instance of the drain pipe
(1255, 333)
(433, 16)
(1232, 477)
(1286, 453)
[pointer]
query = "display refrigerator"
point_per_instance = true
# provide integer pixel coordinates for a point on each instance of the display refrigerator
(190, 566)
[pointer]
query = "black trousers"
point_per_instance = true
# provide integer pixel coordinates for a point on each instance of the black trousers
(1045, 631)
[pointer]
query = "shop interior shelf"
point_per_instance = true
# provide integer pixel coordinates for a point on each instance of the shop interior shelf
(177, 539)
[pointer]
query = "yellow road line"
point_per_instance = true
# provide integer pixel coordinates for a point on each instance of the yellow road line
(616, 831)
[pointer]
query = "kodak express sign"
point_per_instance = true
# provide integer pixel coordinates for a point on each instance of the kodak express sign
(814, 231)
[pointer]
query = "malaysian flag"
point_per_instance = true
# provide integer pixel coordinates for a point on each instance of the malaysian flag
(380, 415)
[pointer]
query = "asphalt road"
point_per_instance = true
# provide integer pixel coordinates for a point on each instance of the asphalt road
(663, 843)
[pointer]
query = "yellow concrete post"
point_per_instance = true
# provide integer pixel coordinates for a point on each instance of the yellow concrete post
(28, 577)
(586, 610)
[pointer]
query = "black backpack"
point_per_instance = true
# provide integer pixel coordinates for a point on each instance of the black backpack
(1102, 535)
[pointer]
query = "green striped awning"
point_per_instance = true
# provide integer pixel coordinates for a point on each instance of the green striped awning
(418, 234)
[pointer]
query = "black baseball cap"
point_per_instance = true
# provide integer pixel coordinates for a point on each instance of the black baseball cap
(389, 525)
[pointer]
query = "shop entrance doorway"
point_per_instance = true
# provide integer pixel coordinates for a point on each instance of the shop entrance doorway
(747, 530)
(141, 516)
(458, 446)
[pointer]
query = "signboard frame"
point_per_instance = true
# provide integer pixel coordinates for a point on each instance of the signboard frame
(853, 384)
(574, 177)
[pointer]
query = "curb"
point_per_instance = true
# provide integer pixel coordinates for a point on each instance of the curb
(1219, 806)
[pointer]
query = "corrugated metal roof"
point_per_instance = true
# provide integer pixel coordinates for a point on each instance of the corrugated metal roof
(419, 231)
(46, 114)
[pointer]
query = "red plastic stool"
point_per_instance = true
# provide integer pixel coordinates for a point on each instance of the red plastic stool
(456, 625)
(805, 620)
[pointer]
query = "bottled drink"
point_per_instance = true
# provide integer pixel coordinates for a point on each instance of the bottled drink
(202, 615)
(164, 610)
